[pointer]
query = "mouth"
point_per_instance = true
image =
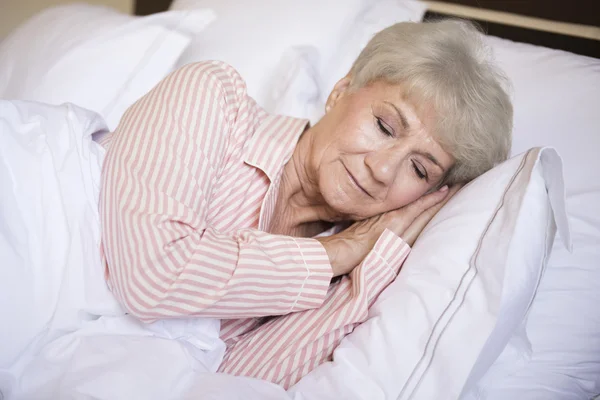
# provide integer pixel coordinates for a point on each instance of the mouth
(355, 183)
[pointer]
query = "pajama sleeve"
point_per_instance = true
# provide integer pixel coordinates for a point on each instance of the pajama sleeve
(286, 348)
(163, 256)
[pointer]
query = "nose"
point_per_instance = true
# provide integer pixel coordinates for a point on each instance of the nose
(384, 164)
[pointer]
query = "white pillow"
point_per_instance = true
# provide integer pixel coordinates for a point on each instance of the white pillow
(455, 291)
(556, 352)
(93, 56)
(302, 86)
(253, 36)
(295, 88)
(376, 16)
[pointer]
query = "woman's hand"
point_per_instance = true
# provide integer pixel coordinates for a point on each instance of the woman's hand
(348, 248)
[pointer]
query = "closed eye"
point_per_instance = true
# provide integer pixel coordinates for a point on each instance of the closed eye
(383, 128)
(420, 171)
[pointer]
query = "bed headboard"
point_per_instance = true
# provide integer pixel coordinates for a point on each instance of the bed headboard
(571, 25)
(567, 25)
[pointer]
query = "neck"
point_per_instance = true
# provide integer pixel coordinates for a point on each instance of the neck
(300, 206)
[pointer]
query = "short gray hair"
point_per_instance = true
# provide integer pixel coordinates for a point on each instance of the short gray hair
(445, 64)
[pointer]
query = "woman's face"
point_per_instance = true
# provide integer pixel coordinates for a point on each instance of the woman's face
(373, 151)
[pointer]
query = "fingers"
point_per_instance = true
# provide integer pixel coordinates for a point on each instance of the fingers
(431, 211)
(399, 220)
(451, 192)
(416, 227)
(411, 233)
(425, 202)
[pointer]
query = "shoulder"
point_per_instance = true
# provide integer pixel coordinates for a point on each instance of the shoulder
(216, 75)
(220, 84)
(218, 69)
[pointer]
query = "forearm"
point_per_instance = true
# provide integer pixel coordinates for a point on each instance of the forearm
(248, 274)
(285, 349)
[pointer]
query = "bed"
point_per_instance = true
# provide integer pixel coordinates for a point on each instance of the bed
(509, 308)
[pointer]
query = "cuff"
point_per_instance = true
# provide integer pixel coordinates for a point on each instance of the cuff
(382, 264)
(313, 289)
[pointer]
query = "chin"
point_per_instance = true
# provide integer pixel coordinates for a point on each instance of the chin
(345, 204)
(344, 207)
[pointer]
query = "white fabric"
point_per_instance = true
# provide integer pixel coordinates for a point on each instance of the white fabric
(427, 329)
(295, 89)
(253, 37)
(555, 96)
(556, 352)
(93, 56)
(554, 355)
(302, 84)
(374, 17)
(68, 336)
(62, 332)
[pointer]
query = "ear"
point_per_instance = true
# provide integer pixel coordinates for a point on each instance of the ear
(339, 90)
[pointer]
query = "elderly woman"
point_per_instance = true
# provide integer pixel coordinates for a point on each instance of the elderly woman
(211, 207)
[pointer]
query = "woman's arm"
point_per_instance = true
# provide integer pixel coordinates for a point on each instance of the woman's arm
(349, 247)
(164, 258)
(285, 349)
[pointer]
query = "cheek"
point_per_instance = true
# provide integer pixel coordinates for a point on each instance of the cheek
(348, 131)
(404, 193)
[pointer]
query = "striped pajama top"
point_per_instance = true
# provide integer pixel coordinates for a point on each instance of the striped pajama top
(189, 185)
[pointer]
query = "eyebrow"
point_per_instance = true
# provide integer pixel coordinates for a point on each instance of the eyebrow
(405, 125)
(400, 115)
(431, 158)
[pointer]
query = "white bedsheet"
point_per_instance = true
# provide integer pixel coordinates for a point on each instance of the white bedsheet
(62, 334)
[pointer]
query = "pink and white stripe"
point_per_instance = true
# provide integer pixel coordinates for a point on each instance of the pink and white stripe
(284, 349)
(190, 181)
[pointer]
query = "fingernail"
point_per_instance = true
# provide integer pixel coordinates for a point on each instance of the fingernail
(444, 188)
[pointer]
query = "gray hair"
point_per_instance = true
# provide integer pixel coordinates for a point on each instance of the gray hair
(446, 65)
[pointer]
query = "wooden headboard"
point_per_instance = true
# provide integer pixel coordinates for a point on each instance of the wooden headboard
(571, 25)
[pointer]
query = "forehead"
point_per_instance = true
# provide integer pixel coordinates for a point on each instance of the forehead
(420, 115)
(418, 110)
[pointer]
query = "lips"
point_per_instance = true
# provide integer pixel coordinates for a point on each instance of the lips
(355, 182)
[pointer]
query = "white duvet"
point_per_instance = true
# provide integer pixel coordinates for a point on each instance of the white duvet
(62, 334)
